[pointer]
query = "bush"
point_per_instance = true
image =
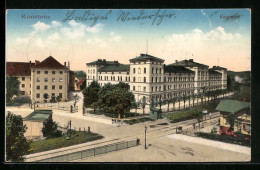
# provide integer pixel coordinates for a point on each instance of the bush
(50, 129)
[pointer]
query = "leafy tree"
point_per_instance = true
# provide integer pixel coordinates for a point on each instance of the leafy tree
(193, 96)
(22, 100)
(91, 95)
(184, 98)
(58, 99)
(173, 100)
(168, 100)
(116, 98)
(50, 129)
(188, 98)
(83, 85)
(143, 104)
(16, 143)
(179, 100)
(46, 96)
(12, 87)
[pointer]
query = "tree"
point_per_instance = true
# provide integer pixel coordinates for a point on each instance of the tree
(193, 96)
(199, 116)
(188, 97)
(58, 99)
(168, 100)
(116, 98)
(76, 99)
(91, 94)
(50, 129)
(22, 100)
(179, 100)
(16, 143)
(184, 98)
(173, 100)
(83, 85)
(46, 96)
(12, 87)
(143, 104)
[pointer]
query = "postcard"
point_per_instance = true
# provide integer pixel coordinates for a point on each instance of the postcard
(128, 85)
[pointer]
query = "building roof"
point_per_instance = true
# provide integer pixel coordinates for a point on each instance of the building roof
(103, 62)
(115, 68)
(232, 106)
(211, 71)
(144, 57)
(176, 69)
(50, 62)
(18, 68)
(218, 68)
(39, 115)
(188, 63)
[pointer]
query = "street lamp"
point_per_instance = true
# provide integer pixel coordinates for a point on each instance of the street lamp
(145, 128)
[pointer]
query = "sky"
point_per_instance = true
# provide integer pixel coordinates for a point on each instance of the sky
(209, 36)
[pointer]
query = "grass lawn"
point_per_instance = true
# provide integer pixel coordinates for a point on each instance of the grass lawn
(190, 113)
(102, 112)
(59, 142)
(139, 120)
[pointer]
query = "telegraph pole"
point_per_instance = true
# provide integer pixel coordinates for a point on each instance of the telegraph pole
(145, 128)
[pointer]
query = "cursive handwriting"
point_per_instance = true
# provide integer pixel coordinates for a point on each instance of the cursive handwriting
(126, 16)
(87, 16)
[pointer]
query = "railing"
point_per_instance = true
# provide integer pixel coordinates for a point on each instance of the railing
(91, 152)
(64, 108)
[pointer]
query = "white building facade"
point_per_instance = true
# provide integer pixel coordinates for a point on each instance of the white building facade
(151, 80)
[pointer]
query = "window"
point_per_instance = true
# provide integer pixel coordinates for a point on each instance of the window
(53, 94)
(38, 95)
(152, 70)
(139, 71)
(133, 88)
(53, 79)
(53, 72)
(60, 94)
(23, 85)
(144, 70)
(159, 88)
(45, 72)
(144, 79)
(156, 70)
(45, 87)
(45, 79)
(160, 70)
(22, 93)
(61, 72)
(60, 87)
(38, 72)
(156, 79)
(23, 78)
(60, 79)
(152, 89)
(134, 70)
(38, 87)
(38, 79)
(152, 79)
(144, 89)
(134, 79)
(53, 87)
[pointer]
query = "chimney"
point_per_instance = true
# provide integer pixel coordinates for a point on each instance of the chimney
(65, 63)
(176, 61)
(37, 62)
(191, 60)
(30, 61)
(185, 62)
(116, 61)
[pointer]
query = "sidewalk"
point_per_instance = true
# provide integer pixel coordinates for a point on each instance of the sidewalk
(212, 143)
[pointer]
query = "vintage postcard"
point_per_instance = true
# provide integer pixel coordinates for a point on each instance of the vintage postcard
(128, 85)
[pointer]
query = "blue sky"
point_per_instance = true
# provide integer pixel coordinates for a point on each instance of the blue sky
(199, 33)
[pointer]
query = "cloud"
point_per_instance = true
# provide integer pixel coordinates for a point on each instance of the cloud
(56, 23)
(22, 40)
(53, 37)
(97, 42)
(96, 28)
(114, 37)
(40, 26)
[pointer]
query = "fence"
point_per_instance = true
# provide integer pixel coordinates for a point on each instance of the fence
(190, 131)
(92, 152)
(50, 106)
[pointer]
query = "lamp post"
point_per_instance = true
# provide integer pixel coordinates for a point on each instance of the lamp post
(145, 128)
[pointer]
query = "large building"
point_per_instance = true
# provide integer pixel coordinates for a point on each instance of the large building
(39, 78)
(150, 79)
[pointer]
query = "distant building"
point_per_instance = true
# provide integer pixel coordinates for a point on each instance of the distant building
(150, 79)
(240, 110)
(39, 78)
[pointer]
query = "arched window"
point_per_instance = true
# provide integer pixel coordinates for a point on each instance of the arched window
(134, 70)
(144, 70)
(133, 79)
(139, 70)
(156, 70)
(160, 70)
(144, 79)
(152, 70)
